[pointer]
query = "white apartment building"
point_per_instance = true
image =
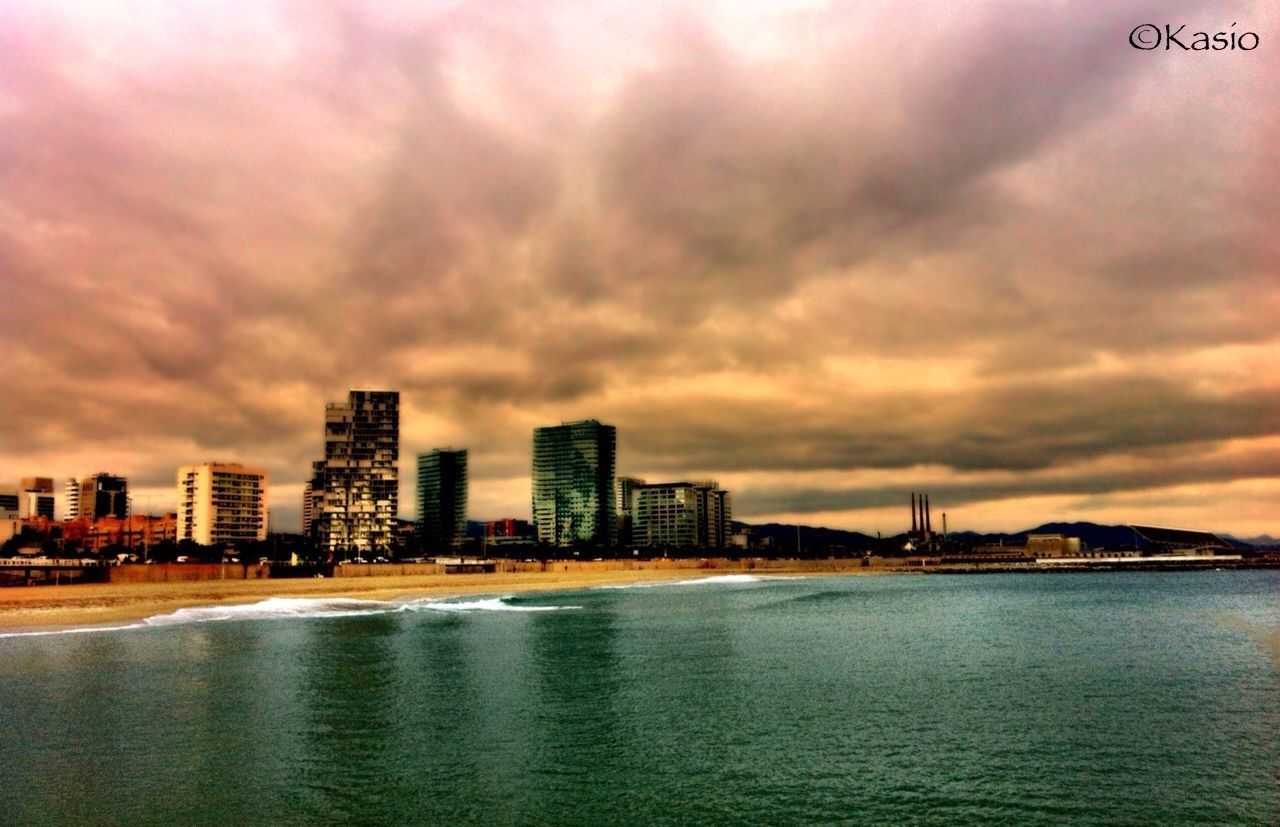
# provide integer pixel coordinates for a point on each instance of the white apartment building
(221, 503)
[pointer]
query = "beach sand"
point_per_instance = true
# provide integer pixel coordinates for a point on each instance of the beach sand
(53, 607)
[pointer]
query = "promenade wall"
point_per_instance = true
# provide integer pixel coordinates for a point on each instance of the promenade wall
(387, 569)
(182, 572)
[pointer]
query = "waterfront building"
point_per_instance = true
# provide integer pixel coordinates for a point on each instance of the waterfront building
(103, 495)
(442, 500)
(715, 517)
(666, 516)
(681, 515)
(574, 498)
(1055, 545)
(132, 532)
(313, 500)
(31, 498)
(71, 489)
(221, 503)
(627, 488)
(361, 482)
(508, 527)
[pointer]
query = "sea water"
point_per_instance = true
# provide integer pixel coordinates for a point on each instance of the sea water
(1109, 698)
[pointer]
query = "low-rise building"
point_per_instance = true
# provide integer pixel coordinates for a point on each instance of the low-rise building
(33, 497)
(1054, 545)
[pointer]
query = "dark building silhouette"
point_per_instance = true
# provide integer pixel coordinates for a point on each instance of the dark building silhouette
(442, 500)
(103, 495)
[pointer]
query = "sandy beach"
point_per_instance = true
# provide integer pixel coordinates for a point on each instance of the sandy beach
(52, 607)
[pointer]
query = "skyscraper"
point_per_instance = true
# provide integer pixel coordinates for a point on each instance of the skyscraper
(574, 500)
(103, 495)
(221, 503)
(361, 479)
(442, 500)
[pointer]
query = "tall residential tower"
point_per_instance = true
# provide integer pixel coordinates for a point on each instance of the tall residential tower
(574, 500)
(360, 476)
(442, 500)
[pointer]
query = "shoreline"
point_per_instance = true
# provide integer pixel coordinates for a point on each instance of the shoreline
(53, 608)
(48, 608)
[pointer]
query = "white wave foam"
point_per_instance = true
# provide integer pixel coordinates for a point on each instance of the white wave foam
(276, 607)
(492, 604)
(297, 607)
(78, 630)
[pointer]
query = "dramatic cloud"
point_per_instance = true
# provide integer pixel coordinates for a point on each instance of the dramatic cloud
(829, 253)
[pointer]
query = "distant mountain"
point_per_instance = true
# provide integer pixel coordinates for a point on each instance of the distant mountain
(816, 539)
(1261, 541)
(1094, 535)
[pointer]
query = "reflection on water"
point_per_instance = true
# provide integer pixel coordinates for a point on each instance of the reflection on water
(347, 704)
(576, 683)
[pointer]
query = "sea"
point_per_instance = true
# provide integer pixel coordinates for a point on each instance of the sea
(1020, 699)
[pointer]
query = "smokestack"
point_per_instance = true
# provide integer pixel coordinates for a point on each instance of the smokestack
(944, 524)
(928, 516)
(913, 512)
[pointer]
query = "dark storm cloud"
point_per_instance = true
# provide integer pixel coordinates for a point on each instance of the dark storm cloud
(1175, 471)
(1019, 427)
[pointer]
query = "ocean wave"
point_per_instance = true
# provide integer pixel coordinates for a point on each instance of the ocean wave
(298, 608)
(78, 630)
(275, 607)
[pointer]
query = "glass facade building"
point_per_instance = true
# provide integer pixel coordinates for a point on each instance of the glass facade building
(574, 499)
(628, 488)
(442, 500)
(681, 515)
(360, 475)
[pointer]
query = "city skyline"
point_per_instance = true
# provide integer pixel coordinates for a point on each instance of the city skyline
(824, 254)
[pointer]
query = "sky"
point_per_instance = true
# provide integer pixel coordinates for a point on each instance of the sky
(826, 253)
